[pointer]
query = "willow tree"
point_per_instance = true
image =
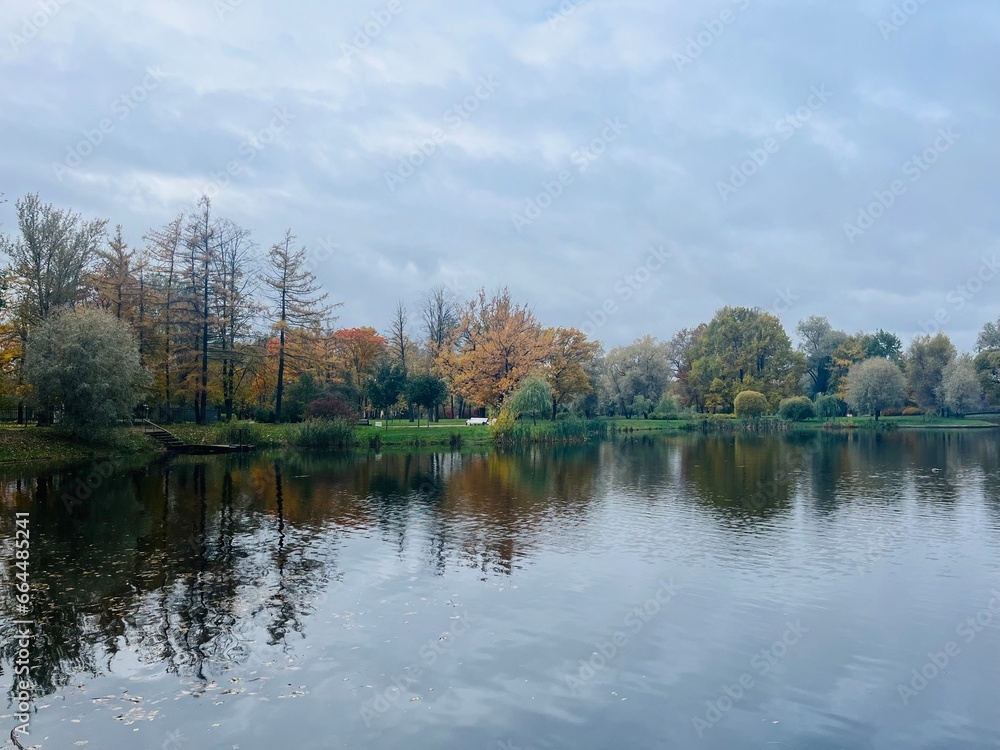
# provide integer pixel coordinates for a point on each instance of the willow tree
(296, 299)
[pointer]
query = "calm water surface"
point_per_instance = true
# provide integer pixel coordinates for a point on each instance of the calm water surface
(813, 593)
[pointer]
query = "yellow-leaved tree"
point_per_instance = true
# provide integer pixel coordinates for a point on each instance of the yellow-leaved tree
(497, 344)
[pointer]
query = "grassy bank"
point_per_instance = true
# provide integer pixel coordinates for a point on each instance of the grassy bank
(24, 444)
(923, 422)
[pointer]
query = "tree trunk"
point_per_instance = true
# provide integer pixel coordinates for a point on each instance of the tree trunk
(281, 376)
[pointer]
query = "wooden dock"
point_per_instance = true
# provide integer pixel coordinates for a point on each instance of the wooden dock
(175, 445)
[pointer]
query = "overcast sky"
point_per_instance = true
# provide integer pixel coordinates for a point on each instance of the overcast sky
(547, 147)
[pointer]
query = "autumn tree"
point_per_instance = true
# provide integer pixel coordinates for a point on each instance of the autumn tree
(235, 309)
(497, 344)
(114, 279)
(296, 301)
(165, 252)
(680, 354)
(360, 350)
(569, 352)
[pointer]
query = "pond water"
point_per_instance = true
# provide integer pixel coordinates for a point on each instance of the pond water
(820, 592)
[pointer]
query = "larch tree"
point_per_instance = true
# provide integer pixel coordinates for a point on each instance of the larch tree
(235, 308)
(202, 239)
(114, 278)
(165, 252)
(296, 301)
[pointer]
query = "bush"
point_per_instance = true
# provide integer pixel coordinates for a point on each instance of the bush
(912, 411)
(750, 405)
(322, 433)
(668, 408)
(263, 415)
(332, 408)
(892, 412)
(796, 409)
(829, 407)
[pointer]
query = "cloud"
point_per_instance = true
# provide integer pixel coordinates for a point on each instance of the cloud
(367, 84)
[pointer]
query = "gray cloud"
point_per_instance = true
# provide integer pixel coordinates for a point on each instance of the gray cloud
(563, 70)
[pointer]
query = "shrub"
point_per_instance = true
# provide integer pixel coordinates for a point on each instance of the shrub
(332, 408)
(263, 415)
(912, 411)
(796, 409)
(323, 433)
(751, 405)
(829, 407)
(668, 408)
(893, 412)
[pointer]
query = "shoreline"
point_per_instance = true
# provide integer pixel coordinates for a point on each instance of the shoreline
(37, 445)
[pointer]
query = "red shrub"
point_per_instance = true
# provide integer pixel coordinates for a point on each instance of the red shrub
(331, 408)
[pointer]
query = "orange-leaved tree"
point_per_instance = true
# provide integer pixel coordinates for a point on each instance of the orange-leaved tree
(496, 345)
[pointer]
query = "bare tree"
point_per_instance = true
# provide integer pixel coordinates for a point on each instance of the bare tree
(398, 341)
(439, 312)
